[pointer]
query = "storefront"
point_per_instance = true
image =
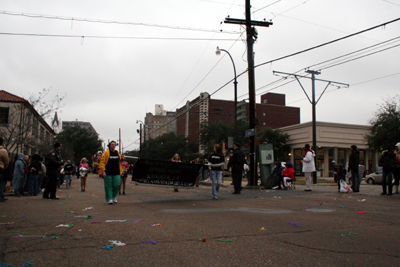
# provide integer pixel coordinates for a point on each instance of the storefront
(333, 145)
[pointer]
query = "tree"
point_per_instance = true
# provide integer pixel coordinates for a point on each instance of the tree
(225, 130)
(278, 139)
(385, 125)
(78, 142)
(165, 146)
(43, 107)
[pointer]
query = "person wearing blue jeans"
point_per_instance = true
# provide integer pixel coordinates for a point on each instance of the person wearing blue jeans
(68, 169)
(33, 184)
(216, 163)
(34, 168)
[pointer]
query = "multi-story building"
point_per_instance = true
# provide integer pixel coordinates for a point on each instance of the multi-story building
(271, 112)
(162, 122)
(82, 124)
(22, 127)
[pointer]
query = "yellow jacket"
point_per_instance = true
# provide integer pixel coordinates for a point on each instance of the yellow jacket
(104, 159)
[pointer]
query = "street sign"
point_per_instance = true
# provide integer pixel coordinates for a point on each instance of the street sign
(249, 132)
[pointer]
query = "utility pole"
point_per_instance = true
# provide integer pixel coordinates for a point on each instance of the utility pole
(251, 35)
(120, 141)
(314, 104)
(140, 140)
(217, 109)
(314, 120)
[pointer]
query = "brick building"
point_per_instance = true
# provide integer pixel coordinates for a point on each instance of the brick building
(158, 124)
(271, 112)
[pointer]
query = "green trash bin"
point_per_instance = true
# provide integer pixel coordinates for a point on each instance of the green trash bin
(266, 162)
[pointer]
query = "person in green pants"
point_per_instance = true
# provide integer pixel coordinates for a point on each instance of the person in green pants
(111, 170)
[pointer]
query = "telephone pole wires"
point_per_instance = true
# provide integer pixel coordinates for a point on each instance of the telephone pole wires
(314, 104)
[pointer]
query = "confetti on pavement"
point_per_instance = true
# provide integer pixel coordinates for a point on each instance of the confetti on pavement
(349, 234)
(148, 242)
(116, 243)
(107, 247)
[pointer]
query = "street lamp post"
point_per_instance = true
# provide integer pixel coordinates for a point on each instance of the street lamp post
(218, 52)
(140, 136)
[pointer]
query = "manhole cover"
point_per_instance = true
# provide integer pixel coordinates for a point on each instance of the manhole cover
(319, 210)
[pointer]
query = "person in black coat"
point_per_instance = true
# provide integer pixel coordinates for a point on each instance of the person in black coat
(277, 174)
(387, 161)
(53, 160)
(354, 161)
(236, 162)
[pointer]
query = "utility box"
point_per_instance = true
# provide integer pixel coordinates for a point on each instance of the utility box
(266, 161)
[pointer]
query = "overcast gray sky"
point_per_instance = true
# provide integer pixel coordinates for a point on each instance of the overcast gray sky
(169, 57)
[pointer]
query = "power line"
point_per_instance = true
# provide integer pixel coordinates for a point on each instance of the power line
(72, 19)
(290, 9)
(357, 51)
(187, 78)
(112, 37)
(340, 63)
(327, 43)
(352, 85)
(390, 2)
(266, 6)
(198, 84)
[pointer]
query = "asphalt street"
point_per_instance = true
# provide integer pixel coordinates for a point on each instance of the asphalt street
(154, 226)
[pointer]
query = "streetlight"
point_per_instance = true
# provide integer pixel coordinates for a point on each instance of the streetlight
(140, 134)
(218, 52)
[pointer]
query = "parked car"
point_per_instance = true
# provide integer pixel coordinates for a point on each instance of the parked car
(375, 177)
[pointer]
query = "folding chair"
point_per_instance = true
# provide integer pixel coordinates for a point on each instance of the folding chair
(292, 184)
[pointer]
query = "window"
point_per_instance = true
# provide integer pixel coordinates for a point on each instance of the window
(35, 128)
(4, 114)
(41, 132)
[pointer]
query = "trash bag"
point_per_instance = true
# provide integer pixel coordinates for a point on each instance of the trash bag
(344, 187)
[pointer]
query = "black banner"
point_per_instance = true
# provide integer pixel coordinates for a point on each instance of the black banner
(165, 172)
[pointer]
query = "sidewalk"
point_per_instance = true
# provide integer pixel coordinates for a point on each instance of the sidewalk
(227, 181)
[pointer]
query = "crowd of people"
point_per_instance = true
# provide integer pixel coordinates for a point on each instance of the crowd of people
(36, 174)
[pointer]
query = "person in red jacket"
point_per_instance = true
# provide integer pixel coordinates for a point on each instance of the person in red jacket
(288, 175)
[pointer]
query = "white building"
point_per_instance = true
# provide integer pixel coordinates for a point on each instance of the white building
(333, 142)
